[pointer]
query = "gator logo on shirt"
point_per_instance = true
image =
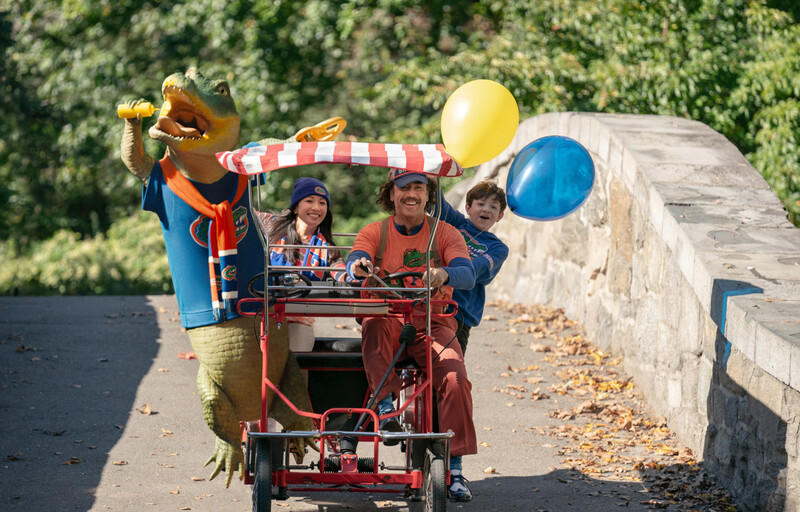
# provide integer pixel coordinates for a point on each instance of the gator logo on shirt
(414, 258)
(199, 228)
(475, 248)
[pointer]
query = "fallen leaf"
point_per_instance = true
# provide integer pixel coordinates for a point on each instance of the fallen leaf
(538, 395)
(71, 461)
(121, 463)
(539, 347)
(561, 415)
(490, 471)
(175, 491)
(145, 409)
(165, 433)
(197, 479)
(187, 355)
(485, 444)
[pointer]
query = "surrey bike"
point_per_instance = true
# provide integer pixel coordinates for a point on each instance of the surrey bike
(342, 406)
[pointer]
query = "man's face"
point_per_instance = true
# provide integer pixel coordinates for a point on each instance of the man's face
(410, 201)
(484, 212)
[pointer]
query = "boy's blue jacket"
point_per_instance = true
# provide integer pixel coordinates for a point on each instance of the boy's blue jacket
(488, 254)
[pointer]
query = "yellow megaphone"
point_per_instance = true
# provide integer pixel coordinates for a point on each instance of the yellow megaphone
(144, 109)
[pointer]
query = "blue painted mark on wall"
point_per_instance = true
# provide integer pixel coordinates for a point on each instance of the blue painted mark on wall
(732, 293)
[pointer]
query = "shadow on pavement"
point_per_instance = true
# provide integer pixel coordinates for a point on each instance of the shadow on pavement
(70, 372)
(560, 490)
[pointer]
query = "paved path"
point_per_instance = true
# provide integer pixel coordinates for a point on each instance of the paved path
(76, 369)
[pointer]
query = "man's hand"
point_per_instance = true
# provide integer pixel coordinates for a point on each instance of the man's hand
(439, 277)
(363, 268)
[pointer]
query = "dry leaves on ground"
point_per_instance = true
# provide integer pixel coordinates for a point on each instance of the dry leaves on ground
(610, 433)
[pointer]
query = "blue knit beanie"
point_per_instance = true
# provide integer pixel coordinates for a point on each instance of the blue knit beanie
(305, 187)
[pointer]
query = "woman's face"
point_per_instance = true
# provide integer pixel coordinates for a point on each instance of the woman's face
(311, 210)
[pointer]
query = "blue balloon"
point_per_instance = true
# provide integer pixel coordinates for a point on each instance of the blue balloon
(549, 179)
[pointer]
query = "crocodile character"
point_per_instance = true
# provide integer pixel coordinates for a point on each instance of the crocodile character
(198, 119)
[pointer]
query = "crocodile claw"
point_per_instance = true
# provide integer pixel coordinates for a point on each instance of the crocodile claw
(228, 457)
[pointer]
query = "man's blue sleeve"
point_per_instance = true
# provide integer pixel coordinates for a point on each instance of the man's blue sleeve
(351, 258)
(461, 272)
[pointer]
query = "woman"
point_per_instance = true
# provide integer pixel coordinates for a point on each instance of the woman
(307, 221)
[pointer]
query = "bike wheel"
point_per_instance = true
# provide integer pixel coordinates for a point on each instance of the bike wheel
(262, 484)
(434, 483)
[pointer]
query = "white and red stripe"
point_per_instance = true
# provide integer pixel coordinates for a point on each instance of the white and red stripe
(427, 158)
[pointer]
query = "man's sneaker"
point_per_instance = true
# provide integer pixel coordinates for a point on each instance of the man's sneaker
(458, 490)
(390, 425)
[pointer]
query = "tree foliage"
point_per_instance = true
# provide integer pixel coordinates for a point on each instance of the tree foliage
(387, 66)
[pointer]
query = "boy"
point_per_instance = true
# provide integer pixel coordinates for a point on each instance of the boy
(486, 204)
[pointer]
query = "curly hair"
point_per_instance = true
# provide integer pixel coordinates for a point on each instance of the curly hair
(385, 201)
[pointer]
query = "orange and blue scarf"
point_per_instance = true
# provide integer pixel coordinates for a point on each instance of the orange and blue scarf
(316, 257)
(221, 237)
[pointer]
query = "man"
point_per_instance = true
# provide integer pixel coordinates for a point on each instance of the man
(405, 236)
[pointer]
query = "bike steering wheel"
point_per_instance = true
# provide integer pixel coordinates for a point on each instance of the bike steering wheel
(398, 278)
(279, 278)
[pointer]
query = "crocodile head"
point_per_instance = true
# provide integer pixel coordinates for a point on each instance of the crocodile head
(198, 115)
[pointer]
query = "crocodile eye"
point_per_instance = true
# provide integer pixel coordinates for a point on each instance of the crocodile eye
(223, 90)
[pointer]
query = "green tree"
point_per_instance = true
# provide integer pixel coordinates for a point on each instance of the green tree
(387, 66)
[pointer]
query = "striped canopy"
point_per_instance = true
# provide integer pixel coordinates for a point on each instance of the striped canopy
(426, 158)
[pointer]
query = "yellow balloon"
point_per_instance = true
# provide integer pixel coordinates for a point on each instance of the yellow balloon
(479, 121)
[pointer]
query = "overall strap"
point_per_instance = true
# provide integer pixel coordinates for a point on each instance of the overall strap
(382, 243)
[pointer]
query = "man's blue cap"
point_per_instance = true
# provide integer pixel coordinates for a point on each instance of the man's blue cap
(402, 177)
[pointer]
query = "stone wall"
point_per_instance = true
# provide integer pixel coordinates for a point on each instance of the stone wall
(682, 262)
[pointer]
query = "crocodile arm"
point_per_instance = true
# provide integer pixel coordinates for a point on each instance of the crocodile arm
(133, 155)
